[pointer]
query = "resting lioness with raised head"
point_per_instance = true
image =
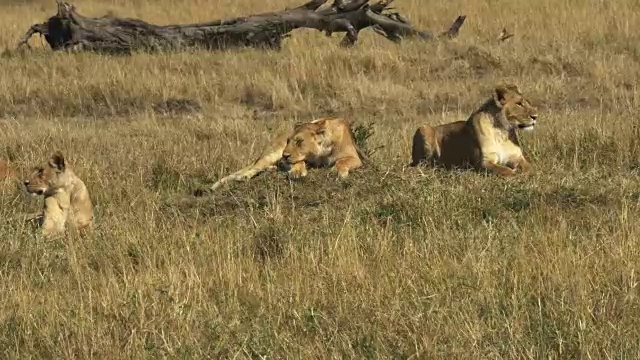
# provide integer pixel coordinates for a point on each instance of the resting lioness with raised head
(487, 140)
(324, 142)
(66, 198)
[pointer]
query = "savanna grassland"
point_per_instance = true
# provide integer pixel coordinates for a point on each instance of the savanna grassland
(394, 262)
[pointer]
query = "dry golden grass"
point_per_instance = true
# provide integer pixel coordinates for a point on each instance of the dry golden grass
(394, 262)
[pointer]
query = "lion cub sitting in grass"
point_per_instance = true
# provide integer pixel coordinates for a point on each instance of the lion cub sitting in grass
(487, 140)
(324, 142)
(66, 198)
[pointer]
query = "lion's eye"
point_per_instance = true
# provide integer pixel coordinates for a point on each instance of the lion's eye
(298, 142)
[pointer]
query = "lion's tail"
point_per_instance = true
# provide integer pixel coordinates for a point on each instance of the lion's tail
(363, 157)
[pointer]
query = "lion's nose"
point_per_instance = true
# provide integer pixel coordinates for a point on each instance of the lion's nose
(26, 183)
(283, 164)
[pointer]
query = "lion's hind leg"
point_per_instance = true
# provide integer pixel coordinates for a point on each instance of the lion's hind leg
(424, 147)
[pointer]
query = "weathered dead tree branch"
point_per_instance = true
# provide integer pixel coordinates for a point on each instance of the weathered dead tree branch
(67, 29)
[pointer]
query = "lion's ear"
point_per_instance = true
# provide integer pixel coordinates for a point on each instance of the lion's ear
(514, 88)
(503, 93)
(57, 161)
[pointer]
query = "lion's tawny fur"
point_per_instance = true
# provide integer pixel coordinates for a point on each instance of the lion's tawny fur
(324, 142)
(487, 140)
(66, 198)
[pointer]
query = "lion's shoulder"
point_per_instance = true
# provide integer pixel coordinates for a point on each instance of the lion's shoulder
(336, 129)
(331, 123)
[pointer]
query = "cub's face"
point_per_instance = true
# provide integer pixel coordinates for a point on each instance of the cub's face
(518, 111)
(47, 177)
(306, 143)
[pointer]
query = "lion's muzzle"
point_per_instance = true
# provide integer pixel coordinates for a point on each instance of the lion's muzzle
(530, 125)
(32, 190)
(284, 164)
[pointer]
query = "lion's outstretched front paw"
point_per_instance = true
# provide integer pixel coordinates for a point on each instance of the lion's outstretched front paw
(343, 174)
(298, 170)
(297, 174)
(525, 167)
(507, 172)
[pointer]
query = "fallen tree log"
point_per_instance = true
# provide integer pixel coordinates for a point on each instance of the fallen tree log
(67, 29)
